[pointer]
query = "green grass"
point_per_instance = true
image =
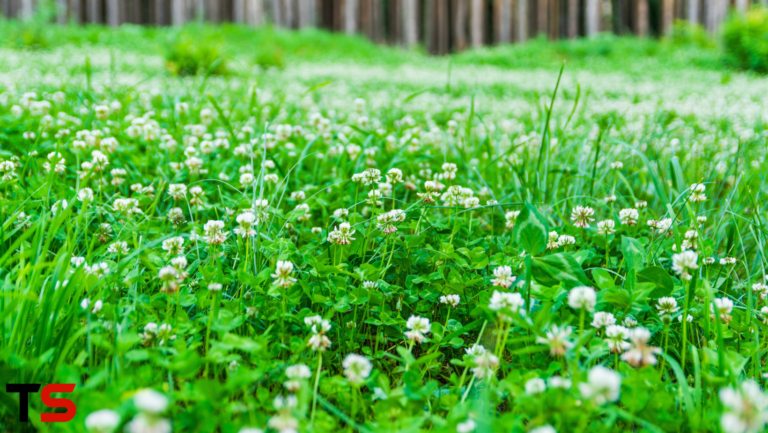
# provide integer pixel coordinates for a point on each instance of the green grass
(218, 326)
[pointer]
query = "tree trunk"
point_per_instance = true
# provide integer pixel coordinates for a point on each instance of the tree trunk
(741, 6)
(27, 10)
(667, 15)
(306, 13)
(351, 13)
(476, 23)
(642, 18)
(541, 16)
(522, 20)
(592, 17)
(573, 18)
(503, 21)
(113, 13)
(410, 22)
(693, 11)
(460, 25)
(255, 12)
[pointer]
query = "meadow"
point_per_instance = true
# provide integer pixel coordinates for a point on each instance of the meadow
(239, 231)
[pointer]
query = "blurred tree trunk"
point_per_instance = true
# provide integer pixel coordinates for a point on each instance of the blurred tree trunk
(351, 12)
(476, 23)
(238, 11)
(667, 15)
(27, 9)
(306, 12)
(410, 22)
(642, 18)
(502, 10)
(573, 18)
(522, 20)
(541, 16)
(592, 17)
(113, 13)
(460, 25)
(255, 12)
(442, 31)
(693, 11)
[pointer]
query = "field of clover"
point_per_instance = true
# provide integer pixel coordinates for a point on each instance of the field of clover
(381, 248)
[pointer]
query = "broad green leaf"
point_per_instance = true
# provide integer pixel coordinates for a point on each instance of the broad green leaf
(559, 268)
(531, 230)
(634, 253)
(660, 278)
(603, 279)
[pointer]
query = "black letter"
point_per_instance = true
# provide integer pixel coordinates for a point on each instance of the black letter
(23, 389)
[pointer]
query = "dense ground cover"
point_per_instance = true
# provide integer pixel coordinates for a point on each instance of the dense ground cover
(305, 232)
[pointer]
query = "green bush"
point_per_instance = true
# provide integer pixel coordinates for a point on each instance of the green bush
(745, 40)
(192, 55)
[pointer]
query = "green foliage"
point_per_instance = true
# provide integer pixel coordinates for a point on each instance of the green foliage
(193, 52)
(392, 188)
(745, 40)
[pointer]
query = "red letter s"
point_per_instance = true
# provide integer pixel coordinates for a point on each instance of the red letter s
(58, 402)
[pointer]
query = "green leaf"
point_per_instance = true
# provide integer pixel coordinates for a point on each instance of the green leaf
(560, 268)
(531, 230)
(660, 278)
(603, 279)
(240, 343)
(634, 252)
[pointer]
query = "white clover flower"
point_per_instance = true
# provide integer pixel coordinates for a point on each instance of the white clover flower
(602, 320)
(319, 342)
(563, 240)
(640, 354)
(724, 307)
(746, 408)
(298, 372)
(506, 301)
(553, 240)
(684, 262)
(582, 297)
(282, 275)
(558, 340)
(214, 232)
(504, 277)
(603, 385)
(395, 176)
(616, 336)
(418, 327)
(357, 368)
(581, 216)
(452, 300)
(475, 350)
(85, 195)
(606, 227)
(535, 386)
(143, 423)
(629, 217)
(118, 248)
(246, 221)
(543, 429)
(467, 426)
(342, 234)
(485, 365)
(59, 206)
(102, 421)
(667, 305)
(697, 193)
(150, 401)
(559, 382)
